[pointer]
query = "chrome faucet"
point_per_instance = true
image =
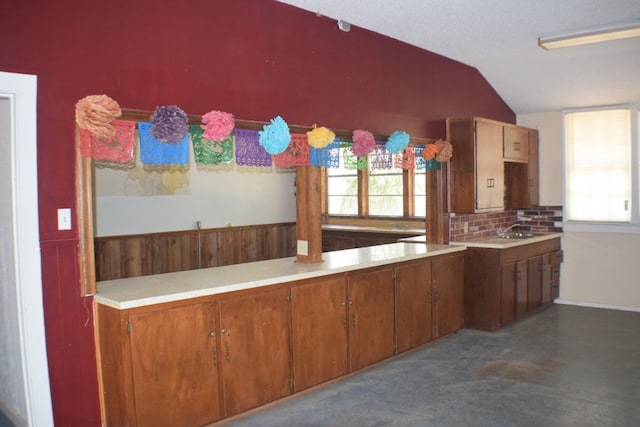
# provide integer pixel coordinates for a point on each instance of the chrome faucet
(504, 231)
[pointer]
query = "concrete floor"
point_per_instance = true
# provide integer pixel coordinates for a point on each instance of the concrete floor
(564, 366)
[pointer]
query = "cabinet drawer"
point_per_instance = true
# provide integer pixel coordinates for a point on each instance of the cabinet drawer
(556, 257)
(516, 144)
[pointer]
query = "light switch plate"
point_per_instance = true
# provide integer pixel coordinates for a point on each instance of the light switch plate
(64, 219)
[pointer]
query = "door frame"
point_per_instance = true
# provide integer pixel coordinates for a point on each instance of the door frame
(21, 91)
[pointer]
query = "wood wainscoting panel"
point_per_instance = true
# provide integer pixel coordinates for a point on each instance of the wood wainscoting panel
(119, 257)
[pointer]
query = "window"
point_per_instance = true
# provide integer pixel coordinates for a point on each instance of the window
(342, 190)
(373, 186)
(601, 165)
(386, 194)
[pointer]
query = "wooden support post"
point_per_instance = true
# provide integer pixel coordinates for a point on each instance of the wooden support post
(436, 207)
(308, 215)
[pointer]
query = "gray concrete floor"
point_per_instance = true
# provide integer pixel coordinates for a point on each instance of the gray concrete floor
(563, 366)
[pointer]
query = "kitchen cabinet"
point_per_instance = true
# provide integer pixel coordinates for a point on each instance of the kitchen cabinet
(516, 144)
(187, 370)
(476, 170)
(494, 166)
(533, 166)
(255, 353)
(522, 176)
(503, 285)
(371, 317)
(162, 364)
(448, 285)
(535, 267)
(414, 302)
(429, 300)
(201, 359)
(320, 331)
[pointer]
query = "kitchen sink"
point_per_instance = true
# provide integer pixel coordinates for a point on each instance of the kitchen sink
(518, 235)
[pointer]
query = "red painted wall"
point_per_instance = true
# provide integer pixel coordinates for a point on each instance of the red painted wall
(254, 58)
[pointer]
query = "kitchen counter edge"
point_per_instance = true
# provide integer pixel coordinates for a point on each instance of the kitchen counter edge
(160, 288)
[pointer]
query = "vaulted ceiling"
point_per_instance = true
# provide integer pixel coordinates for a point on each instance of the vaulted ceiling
(499, 38)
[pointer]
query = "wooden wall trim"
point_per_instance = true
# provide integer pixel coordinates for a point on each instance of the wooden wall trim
(119, 257)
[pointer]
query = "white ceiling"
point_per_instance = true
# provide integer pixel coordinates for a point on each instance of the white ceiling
(499, 38)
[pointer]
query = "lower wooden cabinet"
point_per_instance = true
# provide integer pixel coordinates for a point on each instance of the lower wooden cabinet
(429, 300)
(197, 361)
(414, 301)
(320, 331)
(503, 285)
(371, 317)
(173, 366)
(255, 351)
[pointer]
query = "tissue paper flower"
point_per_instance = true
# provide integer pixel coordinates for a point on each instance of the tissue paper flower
(96, 113)
(445, 150)
(320, 137)
(363, 142)
(397, 142)
(430, 151)
(217, 125)
(170, 124)
(275, 137)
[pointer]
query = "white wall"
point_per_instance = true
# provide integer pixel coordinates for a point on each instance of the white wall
(227, 195)
(599, 269)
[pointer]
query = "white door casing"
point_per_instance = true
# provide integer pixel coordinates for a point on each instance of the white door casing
(24, 378)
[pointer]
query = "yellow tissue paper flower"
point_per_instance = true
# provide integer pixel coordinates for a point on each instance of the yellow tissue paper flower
(320, 137)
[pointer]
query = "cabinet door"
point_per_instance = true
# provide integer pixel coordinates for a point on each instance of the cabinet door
(489, 166)
(546, 278)
(413, 305)
(521, 288)
(516, 143)
(534, 298)
(508, 294)
(319, 318)
(448, 287)
(174, 365)
(533, 172)
(371, 317)
(255, 353)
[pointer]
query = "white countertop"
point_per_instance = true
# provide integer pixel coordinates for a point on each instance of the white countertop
(500, 243)
(159, 288)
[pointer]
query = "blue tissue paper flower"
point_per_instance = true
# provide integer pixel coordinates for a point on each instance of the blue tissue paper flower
(275, 137)
(397, 142)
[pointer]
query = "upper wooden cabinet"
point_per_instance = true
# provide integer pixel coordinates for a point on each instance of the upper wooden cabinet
(522, 178)
(516, 144)
(476, 174)
(494, 166)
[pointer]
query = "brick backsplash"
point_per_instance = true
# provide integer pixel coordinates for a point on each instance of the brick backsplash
(539, 219)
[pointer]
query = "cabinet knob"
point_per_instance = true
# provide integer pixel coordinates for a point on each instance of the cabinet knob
(212, 334)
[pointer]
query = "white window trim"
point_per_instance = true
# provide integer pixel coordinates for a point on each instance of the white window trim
(633, 226)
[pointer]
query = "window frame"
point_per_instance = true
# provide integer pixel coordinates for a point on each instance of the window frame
(633, 225)
(408, 196)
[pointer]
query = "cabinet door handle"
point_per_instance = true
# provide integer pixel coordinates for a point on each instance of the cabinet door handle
(344, 322)
(353, 320)
(227, 352)
(214, 353)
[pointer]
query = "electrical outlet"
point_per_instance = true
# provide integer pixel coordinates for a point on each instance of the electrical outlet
(64, 219)
(303, 247)
(466, 227)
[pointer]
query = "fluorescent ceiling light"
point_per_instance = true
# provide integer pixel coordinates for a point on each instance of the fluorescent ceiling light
(576, 39)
